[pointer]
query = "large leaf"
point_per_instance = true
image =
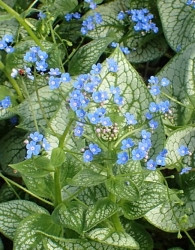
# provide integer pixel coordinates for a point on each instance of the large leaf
(180, 71)
(8, 27)
(13, 212)
(151, 195)
(113, 238)
(186, 137)
(8, 192)
(61, 7)
(178, 20)
(87, 55)
(174, 214)
(29, 232)
(123, 187)
(13, 150)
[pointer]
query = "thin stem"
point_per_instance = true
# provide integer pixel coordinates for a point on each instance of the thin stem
(12, 189)
(176, 101)
(25, 190)
(22, 22)
(57, 187)
(13, 82)
(62, 138)
(189, 237)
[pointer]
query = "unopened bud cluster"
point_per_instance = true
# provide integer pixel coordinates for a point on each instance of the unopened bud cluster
(108, 133)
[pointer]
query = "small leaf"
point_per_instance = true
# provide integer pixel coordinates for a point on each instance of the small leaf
(29, 232)
(13, 212)
(112, 238)
(87, 178)
(87, 55)
(123, 187)
(34, 167)
(97, 213)
(180, 27)
(57, 157)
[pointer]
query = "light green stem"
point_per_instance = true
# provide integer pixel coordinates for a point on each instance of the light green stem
(12, 81)
(190, 238)
(62, 138)
(22, 22)
(25, 190)
(57, 187)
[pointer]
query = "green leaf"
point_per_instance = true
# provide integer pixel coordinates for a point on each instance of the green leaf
(123, 187)
(139, 233)
(13, 212)
(77, 244)
(151, 195)
(174, 214)
(178, 21)
(13, 150)
(8, 27)
(87, 55)
(57, 157)
(29, 232)
(50, 101)
(61, 7)
(184, 136)
(70, 215)
(42, 186)
(113, 238)
(180, 72)
(87, 178)
(35, 167)
(97, 213)
(8, 192)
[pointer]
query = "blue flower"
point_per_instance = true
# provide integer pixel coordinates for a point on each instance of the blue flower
(151, 165)
(75, 104)
(153, 107)
(145, 145)
(45, 144)
(87, 156)
(114, 90)
(3, 45)
(94, 149)
(118, 99)
(80, 113)
(54, 72)
(42, 55)
(191, 2)
(36, 136)
(105, 121)
(164, 107)
(121, 15)
(89, 87)
(41, 65)
(185, 170)
(145, 134)
(76, 15)
(96, 68)
(153, 124)
(160, 160)
(125, 50)
(122, 158)
(148, 116)
(163, 152)
(138, 154)
(32, 149)
(30, 57)
(98, 18)
(127, 143)
(100, 96)
(112, 65)
(165, 82)
(114, 44)
(68, 17)
(153, 80)
(65, 77)
(155, 90)
(130, 119)
(78, 131)
(41, 15)
(5, 103)
(9, 49)
(8, 38)
(183, 150)
(100, 111)
(54, 82)
(94, 118)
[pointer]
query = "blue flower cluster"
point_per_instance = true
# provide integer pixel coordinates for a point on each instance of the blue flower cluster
(89, 153)
(56, 78)
(5, 103)
(155, 84)
(183, 151)
(142, 19)
(92, 4)
(140, 151)
(191, 2)
(125, 50)
(70, 16)
(34, 146)
(90, 23)
(5, 43)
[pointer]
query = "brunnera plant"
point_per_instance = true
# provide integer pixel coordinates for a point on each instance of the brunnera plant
(98, 139)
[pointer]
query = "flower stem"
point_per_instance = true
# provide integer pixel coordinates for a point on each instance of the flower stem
(22, 22)
(57, 187)
(190, 238)
(62, 138)
(12, 81)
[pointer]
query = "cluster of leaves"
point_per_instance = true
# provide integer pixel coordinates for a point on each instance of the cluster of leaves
(77, 194)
